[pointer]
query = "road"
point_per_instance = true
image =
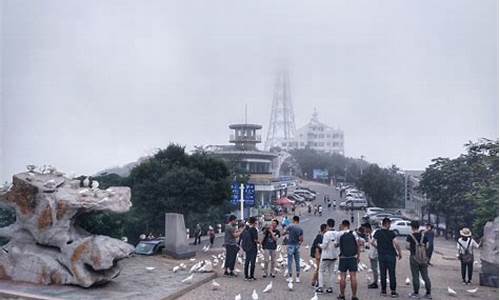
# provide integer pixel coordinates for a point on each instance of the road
(444, 273)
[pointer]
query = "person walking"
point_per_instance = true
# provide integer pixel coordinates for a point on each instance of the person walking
(329, 255)
(249, 241)
(384, 240)
(348, 260)
(465, 247)
(295, 236)
(419, 260)
(429, 235)
(372, 255)
(316, 254)
(285, 222)
(231, 233)
(329, 203)
(197, 234)
(211, 235)
(320, 210)
(269, 245)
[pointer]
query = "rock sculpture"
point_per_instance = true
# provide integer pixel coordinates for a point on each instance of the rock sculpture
(46, 245)
(489, 255)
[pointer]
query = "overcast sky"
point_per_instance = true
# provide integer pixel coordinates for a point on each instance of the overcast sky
(88, 85)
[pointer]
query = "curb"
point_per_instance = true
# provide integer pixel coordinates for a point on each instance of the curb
(20, 295)
(188, 288)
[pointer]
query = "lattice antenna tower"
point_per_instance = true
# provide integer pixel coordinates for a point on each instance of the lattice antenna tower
(282, 122)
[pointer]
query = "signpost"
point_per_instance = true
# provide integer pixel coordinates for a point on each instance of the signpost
(244, 195)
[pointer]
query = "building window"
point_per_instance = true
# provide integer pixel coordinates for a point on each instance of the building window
(328, 144)
(302, 143)
(321, 136)
(328, 136)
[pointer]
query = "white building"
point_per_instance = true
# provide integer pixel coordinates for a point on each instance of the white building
(318, 136)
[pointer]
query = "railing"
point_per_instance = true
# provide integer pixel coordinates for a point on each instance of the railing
(240, 138)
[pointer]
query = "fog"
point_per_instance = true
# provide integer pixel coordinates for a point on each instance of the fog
(86, 85)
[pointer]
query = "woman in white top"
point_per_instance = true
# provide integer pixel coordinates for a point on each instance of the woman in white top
(465, 248)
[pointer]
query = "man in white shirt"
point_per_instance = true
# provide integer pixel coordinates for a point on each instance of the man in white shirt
(329, 255)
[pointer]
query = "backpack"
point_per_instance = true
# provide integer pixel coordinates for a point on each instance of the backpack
(348, 245)
(420, 251)
(467, 256)
(246, 239)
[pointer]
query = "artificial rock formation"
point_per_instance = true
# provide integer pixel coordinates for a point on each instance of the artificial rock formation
(46, 245)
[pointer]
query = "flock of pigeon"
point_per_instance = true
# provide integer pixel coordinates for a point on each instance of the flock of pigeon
(209, 265)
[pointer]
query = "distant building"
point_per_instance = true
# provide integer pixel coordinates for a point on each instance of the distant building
(243, 154)
(318, 136)
(414, 201)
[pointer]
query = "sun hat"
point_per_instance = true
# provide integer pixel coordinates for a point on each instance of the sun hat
(465, 232)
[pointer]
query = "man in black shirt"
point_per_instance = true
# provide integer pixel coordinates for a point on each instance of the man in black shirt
(388, 249)
(418, 266)
(249, 245)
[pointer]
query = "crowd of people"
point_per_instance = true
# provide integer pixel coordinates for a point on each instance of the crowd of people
(339, 249)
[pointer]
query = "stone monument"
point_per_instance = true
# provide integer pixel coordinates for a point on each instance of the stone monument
(46, 245)
(488, 276)
(176, 244)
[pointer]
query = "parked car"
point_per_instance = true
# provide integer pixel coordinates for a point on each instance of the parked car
(150, 247)
(401, 227)
(297, 198)
(356, 203)
(305, 194)
(376, 219)
(304, 189)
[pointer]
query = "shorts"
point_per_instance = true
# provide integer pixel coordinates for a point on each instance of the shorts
(348, 264)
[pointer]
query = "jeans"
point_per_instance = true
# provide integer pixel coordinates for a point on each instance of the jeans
(327, 271)
(231, 253)
(466, 270)
(250, 258)
(374, 266)
(387, 263)
(269, 257)
(212, 238)
(197, 239)
(417, 271)
(293, 253)
(429, 252)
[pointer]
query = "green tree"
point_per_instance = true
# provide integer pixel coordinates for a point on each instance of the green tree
(384, 187)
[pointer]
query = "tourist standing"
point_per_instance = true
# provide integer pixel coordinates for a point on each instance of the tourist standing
(417, 244)
(429, 235)
(211, 235)
(465, 247)
(329, 256)
(388, 249)
(249, 241)
(316, 254)
(231, 233)
(372, 255)
(269, 245)
(348, 260)
(295, 236)
(197, 234)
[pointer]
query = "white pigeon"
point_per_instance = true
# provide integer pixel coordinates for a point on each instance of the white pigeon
(237, 297)
(290, 285)
(215, 285)
(422, 282)
(236, 270)
(183, 266)
(176, 268)
(311, 262)
(315, 297)
(95, 184)
(188, 279)
(268, 287)
(240, 261)
(473, 291)
(262, 266)
(451, 292)
(407, 281)
(254, 295)
(192, 259)
(307, 268)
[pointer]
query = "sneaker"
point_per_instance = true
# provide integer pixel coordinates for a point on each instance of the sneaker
(252, 278)
(413, 296)
(297, 279)
(319, 290)
(464, 283)
(469, 282)
(427, 296)
(226, 273)
(394, 294)
(264, 276)
(272, 276)
(373, 286)
(354, 298)
(340, 297)
(329, 291)
(383, 293)
(247, 278)
(232, 274)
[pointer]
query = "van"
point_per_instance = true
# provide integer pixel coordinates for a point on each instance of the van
(356, 203)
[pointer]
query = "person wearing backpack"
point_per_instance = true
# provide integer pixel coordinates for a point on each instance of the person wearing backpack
(249, 241)
(465, 247)
(419, 260)
(329, 255)
(348, 259)
(316, 255)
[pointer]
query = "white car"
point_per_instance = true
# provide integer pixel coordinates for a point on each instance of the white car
(372, 210)
(401, 227)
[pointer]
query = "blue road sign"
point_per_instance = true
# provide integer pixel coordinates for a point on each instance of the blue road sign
(248, 194)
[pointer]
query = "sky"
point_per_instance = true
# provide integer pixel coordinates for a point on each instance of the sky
(87, 85)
